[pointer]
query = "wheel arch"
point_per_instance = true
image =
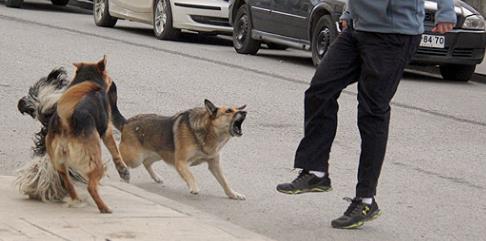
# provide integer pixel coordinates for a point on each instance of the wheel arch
(317, 12)
(234, 6)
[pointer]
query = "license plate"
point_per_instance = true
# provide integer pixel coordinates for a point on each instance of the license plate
(432, 41)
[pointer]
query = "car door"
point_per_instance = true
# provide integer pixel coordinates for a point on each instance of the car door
(260, 14)
(137, 6)
(290, 18)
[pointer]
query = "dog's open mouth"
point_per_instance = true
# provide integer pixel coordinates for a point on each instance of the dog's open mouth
(235, 127)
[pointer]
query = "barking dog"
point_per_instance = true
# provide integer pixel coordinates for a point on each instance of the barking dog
(188, 138)
(82, 118)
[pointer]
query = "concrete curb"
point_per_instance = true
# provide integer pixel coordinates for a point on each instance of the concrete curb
(138, 215)
(201, 216)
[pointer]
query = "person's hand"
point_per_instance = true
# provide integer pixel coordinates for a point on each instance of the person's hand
(443, 28)
(344, 24)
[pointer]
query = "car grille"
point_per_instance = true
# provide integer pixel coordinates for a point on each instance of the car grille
(211, 20)
(429, 19)
(433, 51)
(462, 53)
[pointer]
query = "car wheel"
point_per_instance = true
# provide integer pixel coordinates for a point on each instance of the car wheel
(242, 41)
(323, 35)
(163, 21)
(14, 3)
(277, 46)
(60, 2)
(102, 15)
(457, 72)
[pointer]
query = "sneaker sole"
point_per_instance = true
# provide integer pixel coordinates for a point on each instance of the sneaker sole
(361, 223)
(374, 216)
(352, 226)
(300, 191)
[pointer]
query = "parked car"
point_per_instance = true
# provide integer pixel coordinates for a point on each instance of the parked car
(168, 17)
(313, 25)
(18, 3)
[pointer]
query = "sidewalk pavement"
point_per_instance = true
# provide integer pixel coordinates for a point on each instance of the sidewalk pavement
(137, 215)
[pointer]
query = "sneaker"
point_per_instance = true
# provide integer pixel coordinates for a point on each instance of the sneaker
(306, 182)
(357, 214)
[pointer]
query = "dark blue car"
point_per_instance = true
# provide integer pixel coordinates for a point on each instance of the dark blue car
(314, 24)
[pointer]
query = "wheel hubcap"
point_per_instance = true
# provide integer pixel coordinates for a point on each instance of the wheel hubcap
(99, 9)
(323, 42)
(160, 16)
(241, 31)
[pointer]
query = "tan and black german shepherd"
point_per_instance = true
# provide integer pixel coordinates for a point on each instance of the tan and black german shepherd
(186, 139)
(82, 119)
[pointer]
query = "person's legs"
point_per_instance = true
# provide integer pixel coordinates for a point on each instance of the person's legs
(339, 68)
(384, 57)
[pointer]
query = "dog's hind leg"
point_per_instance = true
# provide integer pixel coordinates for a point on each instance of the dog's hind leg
(67, 182)
(94, 178)
(110, 143)
(96, 170)
(148, 165)
(215, 169)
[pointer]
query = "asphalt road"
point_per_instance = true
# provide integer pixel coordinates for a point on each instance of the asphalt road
(432, 185)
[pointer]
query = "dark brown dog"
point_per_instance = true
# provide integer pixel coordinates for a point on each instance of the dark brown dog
(82, 119)
(186, 139)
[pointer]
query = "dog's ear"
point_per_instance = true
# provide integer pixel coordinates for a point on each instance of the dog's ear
(101, 65)
(25, 108)
(241, 107)
(210, 107)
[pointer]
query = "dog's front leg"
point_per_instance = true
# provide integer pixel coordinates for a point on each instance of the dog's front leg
(215, 169)
(110, 144)
(182, 168)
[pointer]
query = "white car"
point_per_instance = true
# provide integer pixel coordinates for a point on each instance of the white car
(168, 17)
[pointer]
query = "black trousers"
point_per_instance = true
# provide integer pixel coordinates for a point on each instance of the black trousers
(376, 61)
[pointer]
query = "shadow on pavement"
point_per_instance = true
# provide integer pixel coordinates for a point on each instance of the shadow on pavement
(432, 75)
(174, 193)
(48, 7)
(183, 38)
(282, 55)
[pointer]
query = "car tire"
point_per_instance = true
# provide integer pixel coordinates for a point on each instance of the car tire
(242, 40)
(14, 3)
(60, 2)
(162, 24)
(323, 34)
(277, 46)
(458, 72)
(101, 14)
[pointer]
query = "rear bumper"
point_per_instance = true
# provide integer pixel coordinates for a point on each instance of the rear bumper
(461, 47)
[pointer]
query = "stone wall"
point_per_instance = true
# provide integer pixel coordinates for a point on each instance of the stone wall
(479, 5)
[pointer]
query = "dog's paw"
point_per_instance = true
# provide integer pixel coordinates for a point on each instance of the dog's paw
(236, 196)
(76, 203)
(158, 180)
(105, 210)
(124, 173)
(195, 191)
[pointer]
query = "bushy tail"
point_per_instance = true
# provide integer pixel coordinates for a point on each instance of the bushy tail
(40, 181)
(117, 118)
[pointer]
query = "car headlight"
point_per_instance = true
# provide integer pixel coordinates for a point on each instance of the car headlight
(474, 22)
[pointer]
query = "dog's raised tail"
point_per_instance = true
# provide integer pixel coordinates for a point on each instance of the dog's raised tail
(117, 118)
